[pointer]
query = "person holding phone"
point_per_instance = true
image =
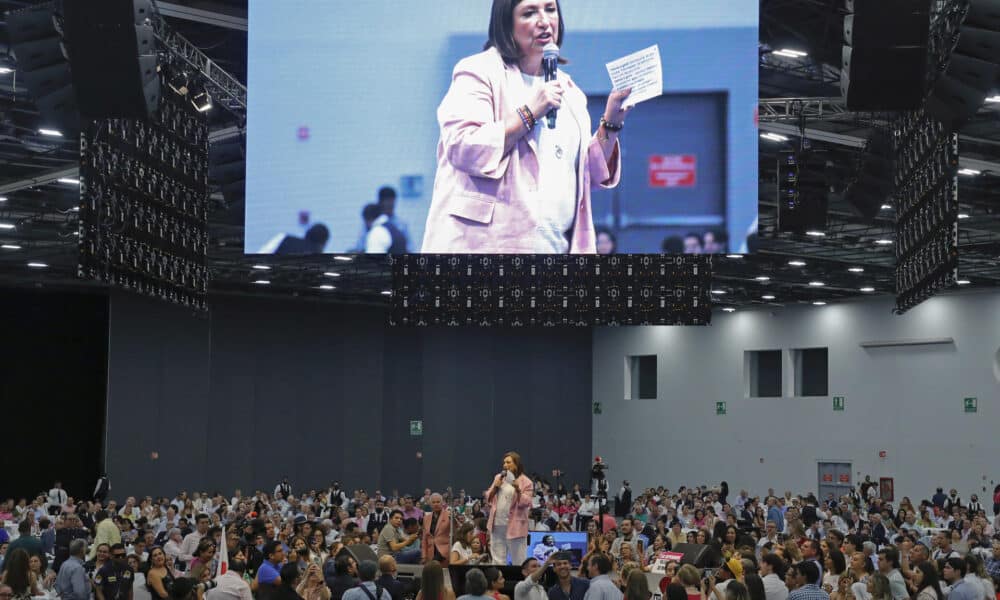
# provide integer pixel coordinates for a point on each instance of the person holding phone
(312, 586)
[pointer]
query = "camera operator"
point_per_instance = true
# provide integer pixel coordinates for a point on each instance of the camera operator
(185, 588)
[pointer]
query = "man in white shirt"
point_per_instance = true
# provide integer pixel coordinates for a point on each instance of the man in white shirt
(190, 543)
(771, 567)
(56, 498)
(231, 585)
(530, 588)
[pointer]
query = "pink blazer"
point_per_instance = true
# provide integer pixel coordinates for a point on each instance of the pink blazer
(517, 523)
(438, 538)
(481, 196)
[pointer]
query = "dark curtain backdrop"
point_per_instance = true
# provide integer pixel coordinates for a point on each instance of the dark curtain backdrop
(53, 371)
(262, 389)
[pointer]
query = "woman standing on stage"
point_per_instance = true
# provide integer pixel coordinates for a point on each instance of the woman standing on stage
(509, 498)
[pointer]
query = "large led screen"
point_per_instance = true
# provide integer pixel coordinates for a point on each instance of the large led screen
(390, 127)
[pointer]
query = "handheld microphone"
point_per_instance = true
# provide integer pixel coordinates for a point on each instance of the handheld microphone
(550, 65)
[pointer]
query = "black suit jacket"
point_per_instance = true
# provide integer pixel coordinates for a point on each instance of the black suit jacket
(392, 585)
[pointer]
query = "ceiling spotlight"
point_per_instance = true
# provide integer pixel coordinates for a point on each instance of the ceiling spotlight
(719, 292)
(734, 256)
(262, 282)
(10, 247)
(3, 198)
(767, 297)
(7, 226)
(200, 99)
(990, 99)
(774, 137)
(963, 282)
(797, 263)
(332, 274)
(816, 283)
(343, 258)
(6, 70)
(819, 303)
(856, 270)
(963, 216)
(729, 309)
(867, 289)
(884, 242)
(788, 53)
(386, 293)
(969, 172)
(50, 132)
(178, 82)
(816, 233)
(763, 278)
(262, 268)
(69, 181)
(327, 287)
(37, 265)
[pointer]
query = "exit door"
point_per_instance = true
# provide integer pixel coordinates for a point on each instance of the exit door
(835, 478)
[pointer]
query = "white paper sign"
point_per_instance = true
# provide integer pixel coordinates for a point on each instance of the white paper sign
(641, 71)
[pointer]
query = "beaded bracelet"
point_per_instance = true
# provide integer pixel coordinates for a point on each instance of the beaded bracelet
(611, 126)
(526, 117)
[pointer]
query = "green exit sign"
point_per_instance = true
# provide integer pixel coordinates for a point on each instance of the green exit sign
(838, 403)
(416, 428)
(720, 408)
(971, 405)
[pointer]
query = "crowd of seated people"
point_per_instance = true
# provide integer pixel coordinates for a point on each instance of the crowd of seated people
(282, 546)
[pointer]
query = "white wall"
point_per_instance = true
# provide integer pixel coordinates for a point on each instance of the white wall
(906, 401)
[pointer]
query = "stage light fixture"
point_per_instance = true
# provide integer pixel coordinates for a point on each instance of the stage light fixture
(763, 278)
(7, 226)
(179, 83)
(10, 247)
(200, 99)
(884, 242)
(3, 198)
(963, 282)
(773, 137)
(69, 181)
(262, 282)
(767, 297)
(816, 234)
(386, 293)
(963, 216)
(261, 268)
(343, 258)
(816, 284)
(331, 274)
(734, 256)
(797, 263)
(886, 207)
(37, 265)
(819, 303)
(6, 70)
(719, 292)
(856, 270)
(867, 289)
(327, 287)
(51, 132)
(969, 172)
(729, 309)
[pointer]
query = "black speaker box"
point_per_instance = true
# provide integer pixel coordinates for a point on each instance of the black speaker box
(112, 53)
(360, 552)
(884, 78)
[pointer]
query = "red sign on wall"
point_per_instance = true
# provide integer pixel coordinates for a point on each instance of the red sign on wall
(845, 478)
(827, 477)
(672, 170)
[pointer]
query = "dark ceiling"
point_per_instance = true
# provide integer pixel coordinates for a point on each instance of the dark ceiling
(46, 223)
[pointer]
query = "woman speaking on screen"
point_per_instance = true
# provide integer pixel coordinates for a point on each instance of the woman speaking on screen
(506, 181)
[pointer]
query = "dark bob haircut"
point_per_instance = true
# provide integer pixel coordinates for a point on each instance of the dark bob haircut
(501, 34)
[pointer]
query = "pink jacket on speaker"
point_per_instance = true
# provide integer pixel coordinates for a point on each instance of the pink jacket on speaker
(517, 523)
(480, 202)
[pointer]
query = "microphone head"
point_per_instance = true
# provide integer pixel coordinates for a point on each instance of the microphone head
(550, 51)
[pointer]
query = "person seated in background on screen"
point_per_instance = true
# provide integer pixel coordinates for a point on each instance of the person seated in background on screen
(383, 237)
(546, 548)
(314, 242)
(506, 182)
(672, 245)
(607, 243)
(714, 242)
(692, 244)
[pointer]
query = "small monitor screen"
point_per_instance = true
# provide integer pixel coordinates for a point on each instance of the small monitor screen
(542, 544)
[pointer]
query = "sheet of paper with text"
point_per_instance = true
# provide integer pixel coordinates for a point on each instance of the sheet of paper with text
(642, 71)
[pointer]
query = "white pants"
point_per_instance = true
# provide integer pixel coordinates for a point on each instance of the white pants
(500, 547)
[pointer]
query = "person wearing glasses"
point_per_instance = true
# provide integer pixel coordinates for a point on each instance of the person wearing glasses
(114, 580)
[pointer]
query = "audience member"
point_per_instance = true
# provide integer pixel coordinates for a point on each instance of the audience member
(368, 589)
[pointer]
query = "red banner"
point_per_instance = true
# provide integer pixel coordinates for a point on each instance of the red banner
(672, 170)
(845, 478)
(827, 477)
